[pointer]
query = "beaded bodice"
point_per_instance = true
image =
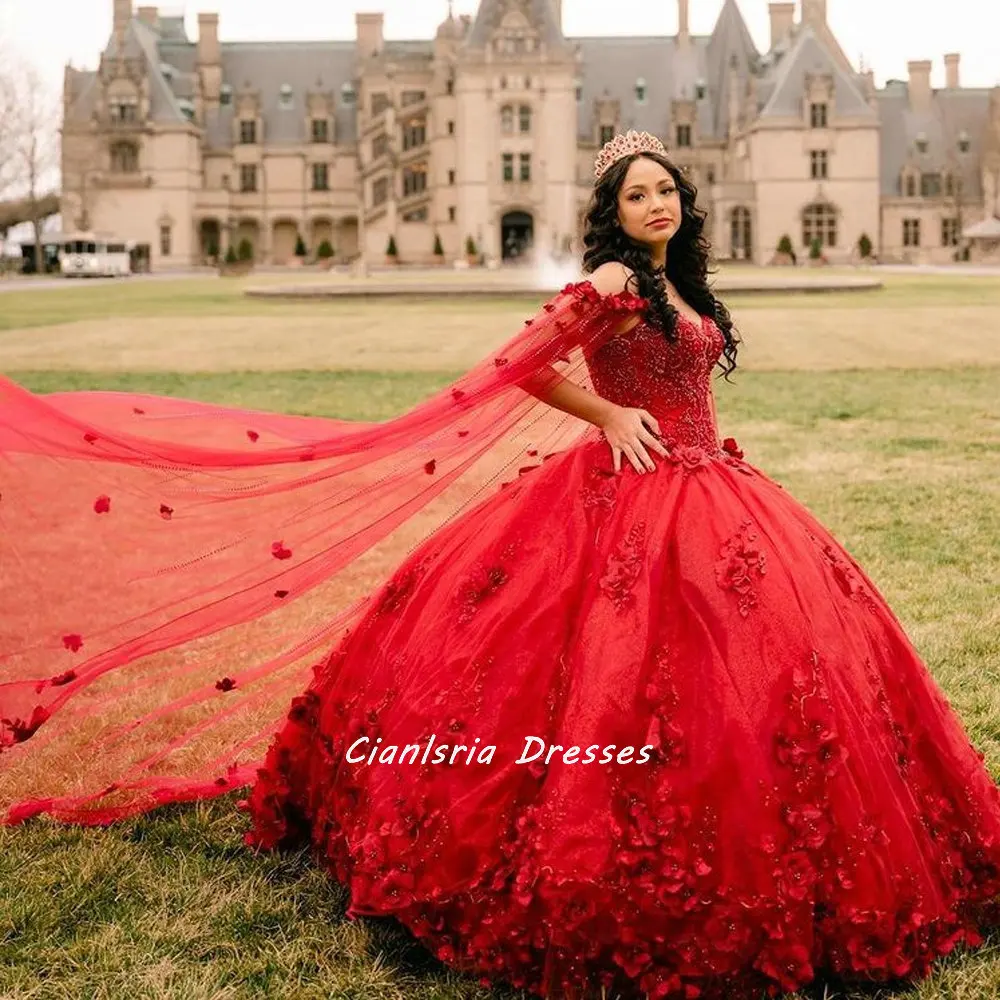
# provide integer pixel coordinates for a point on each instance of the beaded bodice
(641, 368)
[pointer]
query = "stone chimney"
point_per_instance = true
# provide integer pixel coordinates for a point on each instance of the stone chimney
(814, 11)
(209, 59)
(952, 62)
(150, 16)
(920, 84)
(683, 22)
(369, 29)
(782, 22)
(122, 16)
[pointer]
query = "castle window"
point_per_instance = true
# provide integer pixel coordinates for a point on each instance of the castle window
(320, 177)
(451, 176)
(414, 180)
(165, 241)
(417, 215)
(226, 95)
(921, 142)
(526, 166)
(451, 213)
(124, 111)
(286, 98)
(607, 133)
(949, 232)
(380, 191)
(818, 115)
(248, 131)
(347, 93)
(524, 118)
(124, 158)
(506, 118)
(640, 91)
(248, 178)
(964, 142)
(451, 127)
(380, 102)
(819, 164)
(449, 86)
(414, 135)
(683, 136)
(508, 167)
(911, 186)
(320, 130)
(700, 90)
(930, 185)
(911, 232)
(819, 222)
(412, 97)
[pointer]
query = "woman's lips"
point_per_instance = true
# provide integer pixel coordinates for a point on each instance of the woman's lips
(659, 224)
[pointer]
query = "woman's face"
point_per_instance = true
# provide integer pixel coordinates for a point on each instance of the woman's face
(649, 204)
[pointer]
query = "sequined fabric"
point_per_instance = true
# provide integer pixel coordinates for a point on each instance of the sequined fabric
(811, 804)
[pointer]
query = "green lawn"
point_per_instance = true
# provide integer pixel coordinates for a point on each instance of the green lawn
(900, 464)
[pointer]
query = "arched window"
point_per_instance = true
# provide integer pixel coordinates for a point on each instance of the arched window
(819, 222)
(124, 158)
(911, 186)
(524, 118)
(507, 118)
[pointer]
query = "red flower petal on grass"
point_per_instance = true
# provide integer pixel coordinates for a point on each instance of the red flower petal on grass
(430, 467)
(72, 641)
(166, 512)
(279, 551)
(253, 435)
(281, 593)
(102, 504)
(226, 684)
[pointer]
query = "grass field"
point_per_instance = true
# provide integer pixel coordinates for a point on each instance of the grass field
(878, 411)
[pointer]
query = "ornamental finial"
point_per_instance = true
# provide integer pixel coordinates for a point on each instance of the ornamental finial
(625, 145)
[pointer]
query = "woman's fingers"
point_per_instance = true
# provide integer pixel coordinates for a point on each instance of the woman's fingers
(653, 442)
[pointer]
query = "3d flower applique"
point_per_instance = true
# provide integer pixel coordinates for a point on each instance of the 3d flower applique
(730, 447)
(225, 684)
(166, 512)
(73, 642)
(138, 410)
(102, 505)
(90, 437)
(64, 678)
(624, 566)
(430, 466)
(740, 561)
(463, 434)
(281, 593)
(279, 551)
(500, 362)
(458, 395)
(18, 730)
(688, 457)
(253, 435)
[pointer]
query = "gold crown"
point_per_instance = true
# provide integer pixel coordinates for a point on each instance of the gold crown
(625, 145)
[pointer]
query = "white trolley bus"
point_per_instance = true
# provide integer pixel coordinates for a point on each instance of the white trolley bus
(83, 255)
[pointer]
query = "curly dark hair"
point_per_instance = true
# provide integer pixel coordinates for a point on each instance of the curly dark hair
(687, 260)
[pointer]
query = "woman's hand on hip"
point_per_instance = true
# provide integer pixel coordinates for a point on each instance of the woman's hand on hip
(631, 431)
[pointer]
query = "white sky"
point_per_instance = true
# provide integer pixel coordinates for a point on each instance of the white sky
(886, 33)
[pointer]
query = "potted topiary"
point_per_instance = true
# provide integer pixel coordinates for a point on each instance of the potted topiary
(230, 262)
(300, 251)
(816, 257)
(438, 249)
(865, 247)
(391, 251)
(324, 254)
(471, 253)
(785, 253)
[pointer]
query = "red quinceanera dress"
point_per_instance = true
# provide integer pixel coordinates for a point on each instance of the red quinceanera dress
(175, 573)
(812, 802)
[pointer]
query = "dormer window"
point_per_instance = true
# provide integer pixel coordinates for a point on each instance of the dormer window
(640, 90)
(818, 115)
(248, 131)
(226, 95)
(921, 142)
(187, 108)
(124, 158)
(123, 110)
(964, 141)
(286, 98)
(579, 89)
(347, 93)
(700, 90)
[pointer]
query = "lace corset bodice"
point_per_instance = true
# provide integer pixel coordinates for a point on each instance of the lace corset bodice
(641, 368)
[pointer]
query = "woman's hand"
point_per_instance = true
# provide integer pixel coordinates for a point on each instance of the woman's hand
(630, 432)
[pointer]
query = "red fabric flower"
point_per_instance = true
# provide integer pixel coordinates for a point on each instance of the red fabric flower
(90, 437)
(279, 551)
(72, 642)
(281, 593)
(430, 467)
(226, 684)
(500, 362)
(463, 434)
(166, 512)
(138, 409)
(60, 679)
(253, 435)
(731, 447)
(102, 504)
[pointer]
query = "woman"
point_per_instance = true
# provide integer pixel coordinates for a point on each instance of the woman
(634, 721)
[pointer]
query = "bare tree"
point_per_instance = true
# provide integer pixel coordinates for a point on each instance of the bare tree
(29, 143)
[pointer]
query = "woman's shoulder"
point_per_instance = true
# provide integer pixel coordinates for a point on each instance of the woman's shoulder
(612, 278)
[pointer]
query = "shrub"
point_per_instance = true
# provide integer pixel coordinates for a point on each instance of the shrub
(325, 251)
(231, 257)
(815, 249)
(785, 245)
(438, 246)
(300, 246)
(470, 246)
(391, 250)
(245, 251)
(865, 246)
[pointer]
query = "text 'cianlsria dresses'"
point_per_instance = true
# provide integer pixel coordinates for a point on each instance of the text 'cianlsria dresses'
(810, 803)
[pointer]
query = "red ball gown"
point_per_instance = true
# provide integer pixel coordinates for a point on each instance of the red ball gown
(810, 801)
(656, 734)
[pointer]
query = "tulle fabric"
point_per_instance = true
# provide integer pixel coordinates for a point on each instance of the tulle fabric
(172, 570)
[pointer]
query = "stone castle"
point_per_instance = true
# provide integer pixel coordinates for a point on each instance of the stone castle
(487, 133)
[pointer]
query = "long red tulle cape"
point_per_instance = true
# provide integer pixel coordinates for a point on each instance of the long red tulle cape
(170, 571)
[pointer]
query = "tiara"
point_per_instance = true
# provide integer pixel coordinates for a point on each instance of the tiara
(625, 145)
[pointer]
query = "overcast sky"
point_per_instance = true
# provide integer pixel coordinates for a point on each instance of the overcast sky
(886, 33)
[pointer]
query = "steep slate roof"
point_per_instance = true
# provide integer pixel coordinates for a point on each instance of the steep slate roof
(730, 50)
(490, 13)
(951, 113)
(785, 83)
